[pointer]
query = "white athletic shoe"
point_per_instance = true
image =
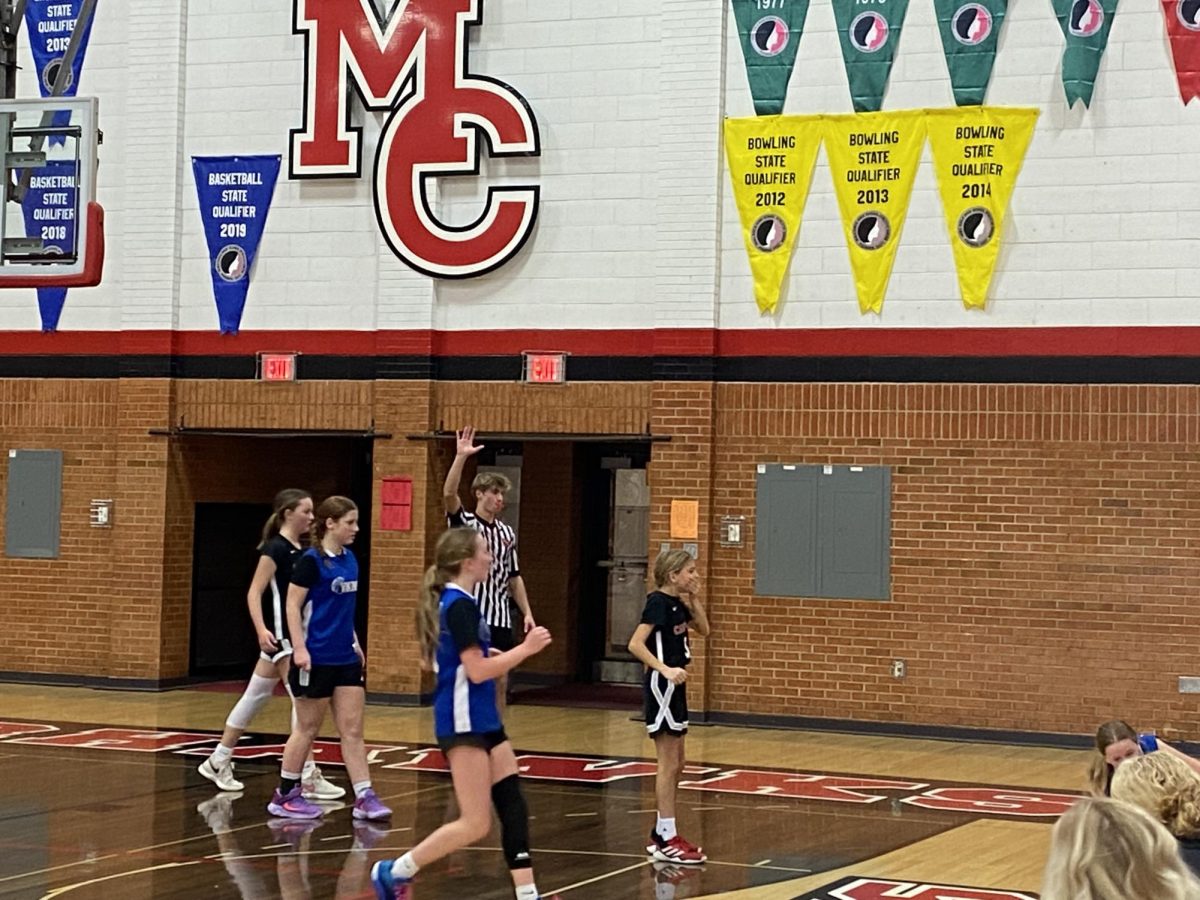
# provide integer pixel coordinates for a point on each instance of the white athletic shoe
(221, 776)
(317, 788)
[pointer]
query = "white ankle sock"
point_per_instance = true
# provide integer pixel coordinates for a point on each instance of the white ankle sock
(221, 755)
(527, 892)
(360, 788)
(404, 867)
(309, 768)
(665, 828)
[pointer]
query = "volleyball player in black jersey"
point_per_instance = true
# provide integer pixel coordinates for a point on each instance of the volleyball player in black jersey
(281, 545)
(661, 643)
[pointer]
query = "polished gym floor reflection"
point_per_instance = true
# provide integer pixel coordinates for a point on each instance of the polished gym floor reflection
(102, 800)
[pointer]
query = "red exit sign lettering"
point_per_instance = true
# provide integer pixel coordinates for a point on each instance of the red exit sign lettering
(545, 368)
(277, 366)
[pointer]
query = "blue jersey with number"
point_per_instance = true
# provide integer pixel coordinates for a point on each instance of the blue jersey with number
(328, 611)
(459, 706)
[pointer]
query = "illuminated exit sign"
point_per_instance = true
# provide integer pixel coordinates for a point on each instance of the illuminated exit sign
(545, 368)
(277, 366)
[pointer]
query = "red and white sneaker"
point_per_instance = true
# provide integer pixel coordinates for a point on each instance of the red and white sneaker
(676, 850)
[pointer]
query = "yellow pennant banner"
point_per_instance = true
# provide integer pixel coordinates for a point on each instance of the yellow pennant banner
(770, 163)
(977, 153)
(874, 158)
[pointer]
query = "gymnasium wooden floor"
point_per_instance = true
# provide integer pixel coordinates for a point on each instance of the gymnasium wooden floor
(101, 799)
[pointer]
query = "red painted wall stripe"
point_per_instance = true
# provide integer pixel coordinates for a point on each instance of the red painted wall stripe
(847, 342)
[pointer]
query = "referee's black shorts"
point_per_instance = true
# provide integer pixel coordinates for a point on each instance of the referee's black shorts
(502, 638)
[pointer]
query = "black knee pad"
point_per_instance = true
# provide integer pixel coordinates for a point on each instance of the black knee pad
(514, 822)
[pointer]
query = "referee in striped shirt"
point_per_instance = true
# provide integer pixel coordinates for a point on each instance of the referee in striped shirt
(504, 583)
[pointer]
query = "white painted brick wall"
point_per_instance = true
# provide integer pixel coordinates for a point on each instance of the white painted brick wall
(152, 165)
(689, 157)
(637, 226)
(1101, 228)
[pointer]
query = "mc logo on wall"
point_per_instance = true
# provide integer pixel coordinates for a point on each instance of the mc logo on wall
(412, 63)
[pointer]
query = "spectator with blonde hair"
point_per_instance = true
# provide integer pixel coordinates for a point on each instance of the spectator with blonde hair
(1107, 850)
(1167, 788)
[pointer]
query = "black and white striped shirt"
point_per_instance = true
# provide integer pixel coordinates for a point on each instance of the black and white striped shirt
(493, 594)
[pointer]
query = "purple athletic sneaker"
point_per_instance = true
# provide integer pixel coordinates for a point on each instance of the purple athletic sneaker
(292, 805)
(388, 886)
(369, 806)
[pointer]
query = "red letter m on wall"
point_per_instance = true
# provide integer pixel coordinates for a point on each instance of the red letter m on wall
(413, 64)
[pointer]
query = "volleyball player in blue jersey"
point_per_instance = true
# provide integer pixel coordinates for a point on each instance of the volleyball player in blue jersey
(456, 643)
(327, 662)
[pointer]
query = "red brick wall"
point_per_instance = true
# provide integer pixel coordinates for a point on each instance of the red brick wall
(682, 469)
(36, 595)
(399, 558)
(1044, 557)
(1044, 552)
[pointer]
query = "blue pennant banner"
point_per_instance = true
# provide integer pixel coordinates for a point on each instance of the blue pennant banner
(50, 24)
(235, 194)
(49, 206)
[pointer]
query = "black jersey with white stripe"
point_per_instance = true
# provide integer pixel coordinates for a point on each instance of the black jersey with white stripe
(493, 594)
(274, 599)
(668, 641)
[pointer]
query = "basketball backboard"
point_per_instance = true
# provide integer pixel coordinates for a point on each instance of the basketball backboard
(52, 230)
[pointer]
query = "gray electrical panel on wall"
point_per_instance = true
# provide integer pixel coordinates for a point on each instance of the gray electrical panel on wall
(823, 531)
(33, 488)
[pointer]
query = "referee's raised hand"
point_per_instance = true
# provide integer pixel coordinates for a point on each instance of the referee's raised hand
(465, 443)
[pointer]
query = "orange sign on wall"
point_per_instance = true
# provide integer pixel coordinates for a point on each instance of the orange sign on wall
(685, 519)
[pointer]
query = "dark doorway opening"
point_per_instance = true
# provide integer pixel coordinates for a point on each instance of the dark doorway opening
(223, 563)
(569, 503)
(612, 560)
(232, 481)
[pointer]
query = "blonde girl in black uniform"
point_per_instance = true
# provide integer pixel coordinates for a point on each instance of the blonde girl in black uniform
(661, 643)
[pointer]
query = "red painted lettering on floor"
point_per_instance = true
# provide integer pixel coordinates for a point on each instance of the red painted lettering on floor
(839, 788)
(881, 889)
(1000, 801)
(422, 761)
(12, 729)
(123, 739)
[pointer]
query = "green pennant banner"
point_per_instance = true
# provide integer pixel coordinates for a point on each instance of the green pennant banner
(1085, 24)
(970, 30)
(869, 31)
(770, 31)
